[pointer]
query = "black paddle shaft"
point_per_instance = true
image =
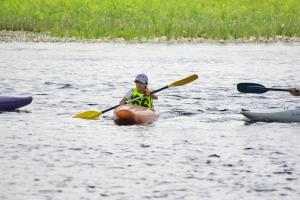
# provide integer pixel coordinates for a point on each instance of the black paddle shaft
(104, 111)
(159, 89)
(276, 89)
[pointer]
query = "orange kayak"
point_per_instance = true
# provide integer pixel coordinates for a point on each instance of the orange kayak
(133, 114)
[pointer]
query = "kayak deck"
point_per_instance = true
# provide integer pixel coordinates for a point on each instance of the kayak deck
(13, 103)
(133, 114)
(280, 115)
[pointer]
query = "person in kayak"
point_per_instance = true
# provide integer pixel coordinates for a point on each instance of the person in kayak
(294, 91)
(141, 90)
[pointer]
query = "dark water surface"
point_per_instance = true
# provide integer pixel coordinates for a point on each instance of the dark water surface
(200, 148)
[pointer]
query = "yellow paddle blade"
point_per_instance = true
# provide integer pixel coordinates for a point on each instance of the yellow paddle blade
(184, 81)
(91, 114)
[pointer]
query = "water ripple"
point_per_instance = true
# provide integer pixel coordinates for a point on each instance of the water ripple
(200, 148)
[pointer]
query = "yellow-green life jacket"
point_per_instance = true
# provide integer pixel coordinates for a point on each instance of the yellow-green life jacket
(146, 101)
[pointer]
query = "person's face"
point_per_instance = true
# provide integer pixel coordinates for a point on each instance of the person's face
(140, 86)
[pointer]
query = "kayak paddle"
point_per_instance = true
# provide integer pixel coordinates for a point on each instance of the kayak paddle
(255, 88)
(91, 114)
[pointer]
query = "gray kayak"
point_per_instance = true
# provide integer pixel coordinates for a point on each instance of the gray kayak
(282, 115)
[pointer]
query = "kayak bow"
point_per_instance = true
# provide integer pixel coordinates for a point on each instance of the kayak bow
(133, 114)
(13, 103)
(280, 115)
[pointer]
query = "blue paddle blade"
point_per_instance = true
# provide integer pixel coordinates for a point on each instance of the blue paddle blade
(251, 88)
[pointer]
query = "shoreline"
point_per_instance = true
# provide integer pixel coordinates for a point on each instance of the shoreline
(25, 36)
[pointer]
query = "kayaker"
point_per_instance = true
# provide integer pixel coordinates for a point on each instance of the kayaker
(141, 90)
(294, 91)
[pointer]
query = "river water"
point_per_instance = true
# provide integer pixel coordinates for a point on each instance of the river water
(200, 148)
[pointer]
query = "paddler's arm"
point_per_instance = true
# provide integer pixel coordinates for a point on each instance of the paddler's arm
(126, 97)
(123, 101)
(294, 91)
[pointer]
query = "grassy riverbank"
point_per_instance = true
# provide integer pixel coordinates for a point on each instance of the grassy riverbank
(130, 19)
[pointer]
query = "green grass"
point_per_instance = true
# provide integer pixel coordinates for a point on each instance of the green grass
(129, 19)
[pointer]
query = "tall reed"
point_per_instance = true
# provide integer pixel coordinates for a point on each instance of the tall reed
(129, 19)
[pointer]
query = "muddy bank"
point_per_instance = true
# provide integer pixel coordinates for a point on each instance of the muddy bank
(23, 36)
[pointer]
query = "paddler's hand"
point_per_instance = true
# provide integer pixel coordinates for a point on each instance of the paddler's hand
(294, 92)
(148, 93)
(123, 101)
